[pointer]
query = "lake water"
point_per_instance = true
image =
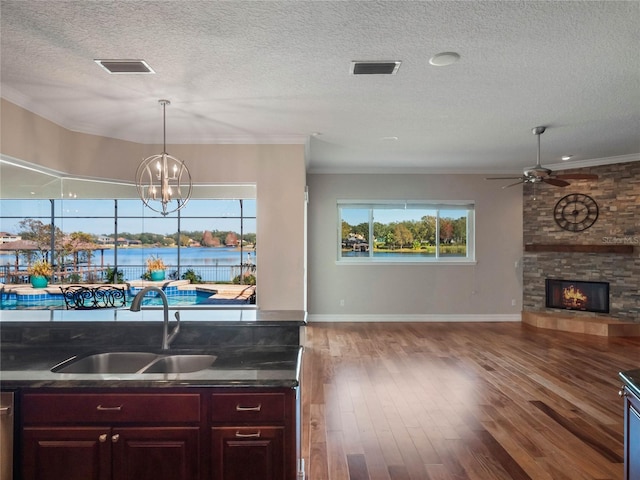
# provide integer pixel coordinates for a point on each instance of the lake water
(138, 256)
(212, 264)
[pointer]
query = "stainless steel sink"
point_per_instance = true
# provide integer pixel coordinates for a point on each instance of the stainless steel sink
(111, 362)
(180, 364)
(135, 362)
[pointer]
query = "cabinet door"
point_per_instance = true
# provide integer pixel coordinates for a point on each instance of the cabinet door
(165, 453)
(69, 453)
(632, 437)
(246, 453)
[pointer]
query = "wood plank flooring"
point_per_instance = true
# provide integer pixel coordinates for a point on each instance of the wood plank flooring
(477, 401)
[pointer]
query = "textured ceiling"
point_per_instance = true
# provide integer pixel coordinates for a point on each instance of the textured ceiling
(275, 72)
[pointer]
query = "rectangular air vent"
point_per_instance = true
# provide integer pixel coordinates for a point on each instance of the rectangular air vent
(374, 68)
(123, 67)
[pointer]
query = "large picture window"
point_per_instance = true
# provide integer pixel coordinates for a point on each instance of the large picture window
(394, 231)
(99, 232)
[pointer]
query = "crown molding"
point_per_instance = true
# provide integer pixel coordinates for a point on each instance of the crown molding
(594, 162)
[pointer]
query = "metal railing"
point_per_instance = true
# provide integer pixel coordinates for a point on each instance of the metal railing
(218, 273)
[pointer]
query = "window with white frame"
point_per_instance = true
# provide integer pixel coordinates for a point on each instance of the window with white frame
(405, 231)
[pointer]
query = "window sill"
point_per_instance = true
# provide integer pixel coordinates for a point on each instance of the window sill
(407, 262)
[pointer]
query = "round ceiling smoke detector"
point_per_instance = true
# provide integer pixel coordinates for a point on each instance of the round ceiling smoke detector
(443, 59)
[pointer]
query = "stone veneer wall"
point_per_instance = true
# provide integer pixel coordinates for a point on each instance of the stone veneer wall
(617, 192)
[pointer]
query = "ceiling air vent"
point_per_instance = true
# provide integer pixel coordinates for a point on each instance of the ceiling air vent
(375, 68)
(123, 67)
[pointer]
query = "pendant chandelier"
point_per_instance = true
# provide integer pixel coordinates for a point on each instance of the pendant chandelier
(162, 179)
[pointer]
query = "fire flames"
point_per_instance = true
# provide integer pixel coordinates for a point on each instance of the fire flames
(572, 297)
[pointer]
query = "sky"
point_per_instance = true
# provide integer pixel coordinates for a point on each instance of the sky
(385, 216)
(197, 215)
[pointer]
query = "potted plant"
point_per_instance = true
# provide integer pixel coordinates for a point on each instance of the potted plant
(39, 273)
(156, 268)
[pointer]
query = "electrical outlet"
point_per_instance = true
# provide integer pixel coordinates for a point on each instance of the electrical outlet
(342, 302)
(513, 302)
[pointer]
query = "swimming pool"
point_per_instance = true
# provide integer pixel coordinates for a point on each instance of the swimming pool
(49, 301)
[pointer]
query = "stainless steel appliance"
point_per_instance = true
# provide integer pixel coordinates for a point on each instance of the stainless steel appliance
(6, 435)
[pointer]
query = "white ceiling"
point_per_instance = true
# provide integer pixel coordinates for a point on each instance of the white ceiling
(276, 71)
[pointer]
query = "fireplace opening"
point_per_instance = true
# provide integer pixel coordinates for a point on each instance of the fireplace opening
(577, 295)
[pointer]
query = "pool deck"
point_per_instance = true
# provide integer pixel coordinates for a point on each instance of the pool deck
(221, 291)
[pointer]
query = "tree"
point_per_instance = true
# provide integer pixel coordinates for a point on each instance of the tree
(31, 229)
(231, 239)
(184, 240)
(390, 239)
(429, 223)
(446, 230)
(78, 245)
(460, 230)
(346, 230)
(402, 235)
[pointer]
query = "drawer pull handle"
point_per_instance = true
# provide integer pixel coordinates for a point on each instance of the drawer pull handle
(115, 438)
(100, 408)
(103, 438)
(5, 411)
(248, 435)
(240, 408)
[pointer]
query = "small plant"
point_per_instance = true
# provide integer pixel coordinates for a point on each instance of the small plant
(74, 278)
(155, 263)
(192, 276)
(41, 268)
(246, 280)
(113, 276)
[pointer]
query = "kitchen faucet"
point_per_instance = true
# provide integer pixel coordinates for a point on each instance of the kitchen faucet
(166, 337)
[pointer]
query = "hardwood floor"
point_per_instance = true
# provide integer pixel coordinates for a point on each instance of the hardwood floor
(433, 401)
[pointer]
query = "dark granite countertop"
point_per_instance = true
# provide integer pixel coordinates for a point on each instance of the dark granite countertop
(211, 316)
(253, 347)
(246, 366)
(631, 379)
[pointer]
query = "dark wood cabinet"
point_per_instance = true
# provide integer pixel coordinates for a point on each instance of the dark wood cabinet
(91, 437)
(248, 453)
(253, 435)
(631, 435)
(72, 453)
(150, 434)
(163, 453)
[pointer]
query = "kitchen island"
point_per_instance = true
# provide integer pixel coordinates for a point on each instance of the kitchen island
(235, 417)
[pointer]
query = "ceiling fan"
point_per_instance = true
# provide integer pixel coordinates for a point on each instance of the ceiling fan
(540, 174)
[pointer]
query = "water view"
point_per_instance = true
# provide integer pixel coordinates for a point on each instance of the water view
(220, 264)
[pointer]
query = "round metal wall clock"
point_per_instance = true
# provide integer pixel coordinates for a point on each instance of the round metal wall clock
(576, 212)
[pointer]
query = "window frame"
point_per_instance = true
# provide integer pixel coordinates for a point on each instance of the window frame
(438, 206)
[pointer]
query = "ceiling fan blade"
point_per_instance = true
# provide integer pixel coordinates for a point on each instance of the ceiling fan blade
(502, 178)
(522, 180)
(556, 182)
(577, 176)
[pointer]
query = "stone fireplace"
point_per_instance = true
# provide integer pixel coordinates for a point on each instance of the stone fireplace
(608, 252)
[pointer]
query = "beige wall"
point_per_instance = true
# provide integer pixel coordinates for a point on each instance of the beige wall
(277, 170)
(420, 291)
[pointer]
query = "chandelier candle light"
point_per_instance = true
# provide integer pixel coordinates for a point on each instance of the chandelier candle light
(162, 178)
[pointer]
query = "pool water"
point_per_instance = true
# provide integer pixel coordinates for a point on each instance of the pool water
(56, 302)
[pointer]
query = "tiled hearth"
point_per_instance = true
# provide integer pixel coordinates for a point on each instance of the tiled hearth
(567, 322)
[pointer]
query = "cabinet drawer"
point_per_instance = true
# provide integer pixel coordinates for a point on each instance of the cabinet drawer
(248, 407)
(62, 408)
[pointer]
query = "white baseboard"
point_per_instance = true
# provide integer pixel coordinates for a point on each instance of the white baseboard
(511, 317)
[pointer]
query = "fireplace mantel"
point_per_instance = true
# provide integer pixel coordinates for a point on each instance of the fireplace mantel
(563, 247)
